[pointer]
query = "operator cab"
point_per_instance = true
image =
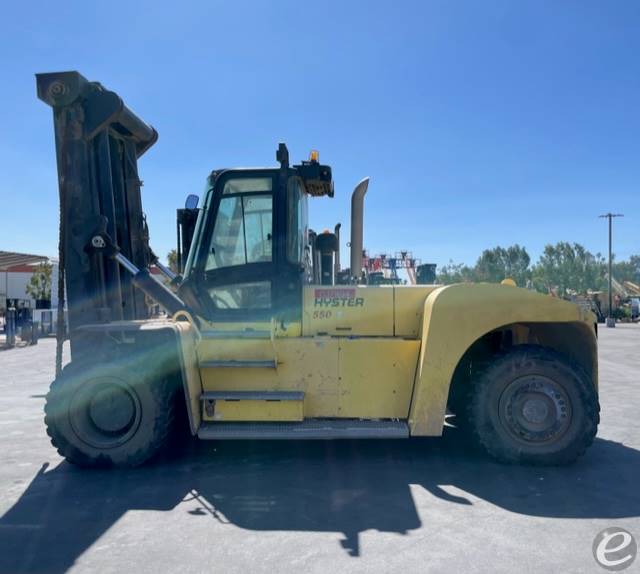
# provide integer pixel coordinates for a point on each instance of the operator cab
(250, 253)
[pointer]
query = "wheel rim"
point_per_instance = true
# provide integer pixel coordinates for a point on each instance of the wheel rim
(105, 413)
(535, 409)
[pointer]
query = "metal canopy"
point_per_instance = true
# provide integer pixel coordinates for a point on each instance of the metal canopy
(9, 259)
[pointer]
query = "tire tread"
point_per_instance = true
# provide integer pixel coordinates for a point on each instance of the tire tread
(486, 438)
(163, 423)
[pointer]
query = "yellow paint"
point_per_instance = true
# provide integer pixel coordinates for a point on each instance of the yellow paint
(408, 304)
(345, 310)
(293, 329)
(454, 318)
(367, 377)
(308, 364)
(255, 410)
(380, 311)
(376, 377)
(235, 350)
(191, 373)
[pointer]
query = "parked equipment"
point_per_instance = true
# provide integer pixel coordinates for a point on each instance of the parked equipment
(252, 349)
(382, 269)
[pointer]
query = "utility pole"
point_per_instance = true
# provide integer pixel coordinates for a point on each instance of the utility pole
(610, 320)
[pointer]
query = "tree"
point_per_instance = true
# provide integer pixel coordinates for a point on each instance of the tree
(499, 263)
(627, 270)
(492, 266)
(39, 286)
(455, 273)
(172, 260)
(566, 267)
(563, 268)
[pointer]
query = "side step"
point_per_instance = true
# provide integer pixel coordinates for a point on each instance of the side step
(317, 429)
(238, 364)
(252, 396)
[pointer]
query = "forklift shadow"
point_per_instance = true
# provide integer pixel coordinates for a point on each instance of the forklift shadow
(347, 487)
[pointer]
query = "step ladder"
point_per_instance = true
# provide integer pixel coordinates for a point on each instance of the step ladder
(242, 349)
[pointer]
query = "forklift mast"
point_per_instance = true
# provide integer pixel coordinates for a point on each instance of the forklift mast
(98, 143)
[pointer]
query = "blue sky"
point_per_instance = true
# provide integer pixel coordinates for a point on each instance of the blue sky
(479, 123)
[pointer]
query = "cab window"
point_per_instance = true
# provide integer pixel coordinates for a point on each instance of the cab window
(253, 295)
(243, 231)
(297, 221)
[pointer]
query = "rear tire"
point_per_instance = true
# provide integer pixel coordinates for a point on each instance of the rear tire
(532, 405)
(99, 417)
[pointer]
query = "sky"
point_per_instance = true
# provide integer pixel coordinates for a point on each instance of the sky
(479, 123)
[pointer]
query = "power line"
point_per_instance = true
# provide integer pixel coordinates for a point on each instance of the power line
(610, 216)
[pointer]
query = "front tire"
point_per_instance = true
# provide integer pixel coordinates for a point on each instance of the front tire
(97, 416)
(532, 405)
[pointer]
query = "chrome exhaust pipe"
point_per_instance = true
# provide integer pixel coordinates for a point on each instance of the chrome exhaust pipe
(336, 231)
(357, 228)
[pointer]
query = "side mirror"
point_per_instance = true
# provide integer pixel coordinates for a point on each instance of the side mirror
(186, 226)
(191, 202)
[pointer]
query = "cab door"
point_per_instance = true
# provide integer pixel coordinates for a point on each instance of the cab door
(238, 263)
(251, 274)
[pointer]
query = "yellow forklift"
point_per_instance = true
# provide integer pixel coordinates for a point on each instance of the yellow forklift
(266, 337)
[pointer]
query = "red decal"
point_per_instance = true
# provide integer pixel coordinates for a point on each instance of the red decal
(343, 293)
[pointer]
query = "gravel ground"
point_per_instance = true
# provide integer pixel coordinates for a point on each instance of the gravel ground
(424, 505)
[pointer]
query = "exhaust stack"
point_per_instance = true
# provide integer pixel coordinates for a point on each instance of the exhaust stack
(336, 231)
(357, 227)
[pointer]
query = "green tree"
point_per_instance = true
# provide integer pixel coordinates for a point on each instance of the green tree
(498, 263)
(627, 270)
(455, 273)
(39, 286)
(172, 260)
(569, 267)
